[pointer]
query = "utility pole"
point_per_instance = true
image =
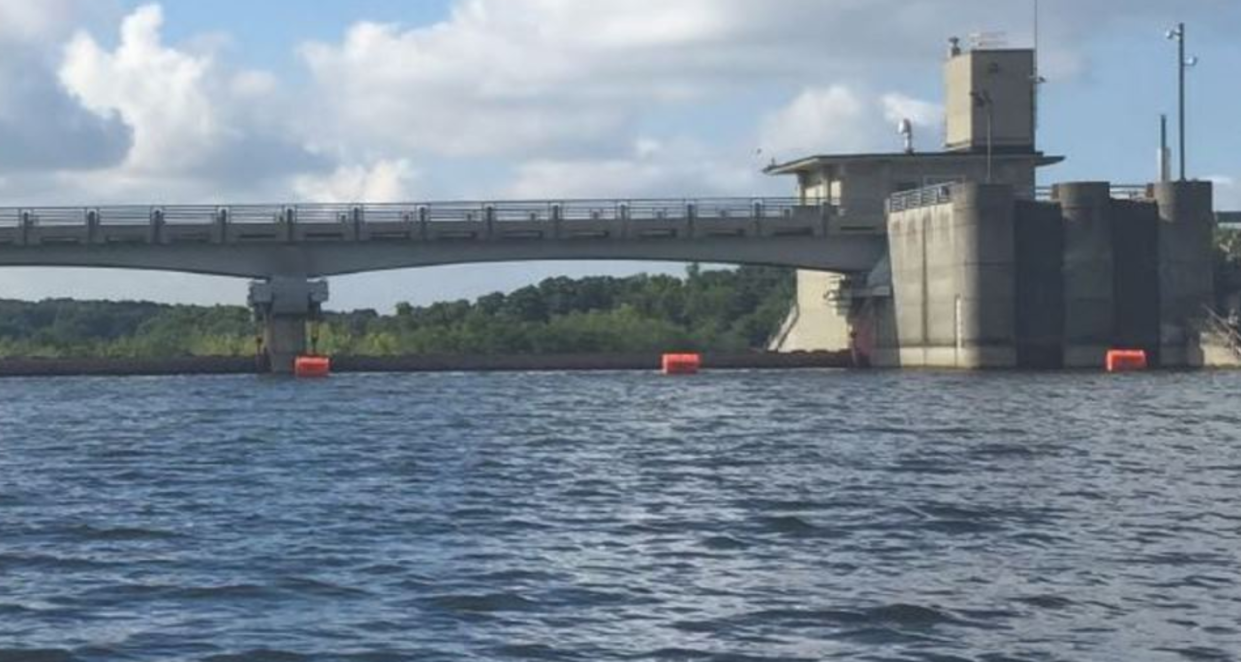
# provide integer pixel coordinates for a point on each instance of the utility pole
(1183, 63)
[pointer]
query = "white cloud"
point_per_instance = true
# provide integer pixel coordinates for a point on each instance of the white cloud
(650, 169)
(841, 119)
(897, 107)
(194, 124)
(385, 181)
(158, 91)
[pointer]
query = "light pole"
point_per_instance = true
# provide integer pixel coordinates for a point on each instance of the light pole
(983, 100)
(1177, 34)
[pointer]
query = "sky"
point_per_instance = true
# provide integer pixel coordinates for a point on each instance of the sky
(185, 101)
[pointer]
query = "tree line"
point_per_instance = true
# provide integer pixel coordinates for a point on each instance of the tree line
(706, 310)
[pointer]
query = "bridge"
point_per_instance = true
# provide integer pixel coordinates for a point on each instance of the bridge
(285, 247)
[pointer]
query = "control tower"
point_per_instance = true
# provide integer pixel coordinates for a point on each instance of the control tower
(990, 136)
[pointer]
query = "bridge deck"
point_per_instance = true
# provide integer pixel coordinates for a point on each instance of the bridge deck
(323, 239)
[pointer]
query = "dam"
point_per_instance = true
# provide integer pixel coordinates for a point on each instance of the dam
(946, 259)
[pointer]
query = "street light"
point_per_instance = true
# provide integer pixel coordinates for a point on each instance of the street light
(1177, 34)
(983, 100)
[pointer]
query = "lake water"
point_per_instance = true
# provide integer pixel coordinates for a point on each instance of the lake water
(729, 516)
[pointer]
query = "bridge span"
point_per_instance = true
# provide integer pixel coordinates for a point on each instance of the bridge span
(315, 240)
(285, 247)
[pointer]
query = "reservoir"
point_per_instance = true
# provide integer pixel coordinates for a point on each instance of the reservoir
(798, 515)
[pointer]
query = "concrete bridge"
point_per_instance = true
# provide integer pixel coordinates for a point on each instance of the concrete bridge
(286, 247)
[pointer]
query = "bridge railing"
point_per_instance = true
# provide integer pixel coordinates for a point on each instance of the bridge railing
(636, 209)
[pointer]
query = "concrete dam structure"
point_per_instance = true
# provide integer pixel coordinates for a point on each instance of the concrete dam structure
(983, 279)
(985, 269)
(952, 259)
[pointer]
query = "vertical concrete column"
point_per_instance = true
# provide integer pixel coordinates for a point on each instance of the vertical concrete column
(1186, 275)
(905, 345)
(283, 306)
(1089, 308)
(972, 284)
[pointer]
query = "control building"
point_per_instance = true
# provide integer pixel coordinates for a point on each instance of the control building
(991, 136)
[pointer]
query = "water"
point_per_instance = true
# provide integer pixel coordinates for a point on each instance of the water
(738, 516)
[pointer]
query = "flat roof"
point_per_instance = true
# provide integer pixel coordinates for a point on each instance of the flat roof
(814, 162)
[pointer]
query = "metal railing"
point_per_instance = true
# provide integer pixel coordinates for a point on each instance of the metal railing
(430, 212)
(1225, 329)
(927, 196)
(1119, 192)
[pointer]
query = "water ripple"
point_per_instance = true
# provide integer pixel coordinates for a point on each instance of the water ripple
(737, 516)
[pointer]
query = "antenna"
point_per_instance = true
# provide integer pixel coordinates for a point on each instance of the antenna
(1036, 78)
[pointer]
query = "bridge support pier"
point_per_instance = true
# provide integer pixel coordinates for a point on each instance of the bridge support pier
(283, 305)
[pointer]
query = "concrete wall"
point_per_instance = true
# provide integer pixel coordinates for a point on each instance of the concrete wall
(1186, 275)
(1089, 313)
(1039, 261)
(954, 282)
(986, 281)
(1007, 76)
(819, 321)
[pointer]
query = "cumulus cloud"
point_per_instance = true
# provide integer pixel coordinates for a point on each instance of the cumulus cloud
(192, 121)
(41, 127)
(385, 181)
(841, 119)
(504, 77)
(650, 168)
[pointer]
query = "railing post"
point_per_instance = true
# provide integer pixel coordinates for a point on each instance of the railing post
(288, 218)
(557, 218)
(27, 221)
(691, 215)
(155, 233)
(489, 221)
(219, 233)
(92, 224)
(358, 220)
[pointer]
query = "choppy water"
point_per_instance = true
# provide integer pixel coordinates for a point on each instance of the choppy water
(740, 516)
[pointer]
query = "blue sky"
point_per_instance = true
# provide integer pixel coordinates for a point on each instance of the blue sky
(184, 100)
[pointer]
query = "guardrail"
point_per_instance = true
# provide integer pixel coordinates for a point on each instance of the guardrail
(429, 212)
(922, 197)
(1229, 218)
(1119, 191)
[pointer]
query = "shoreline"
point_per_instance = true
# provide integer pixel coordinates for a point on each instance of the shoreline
(207, 365)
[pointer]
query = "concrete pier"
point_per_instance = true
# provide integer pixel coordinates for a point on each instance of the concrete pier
(1088, 267)
(981, 279)
(1186, 272)
(283, 306)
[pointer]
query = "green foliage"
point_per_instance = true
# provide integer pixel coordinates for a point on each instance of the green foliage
(709, 310)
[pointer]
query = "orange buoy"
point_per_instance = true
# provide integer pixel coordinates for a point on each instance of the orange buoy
(1126, 360)
(312, 367)
(682, 364)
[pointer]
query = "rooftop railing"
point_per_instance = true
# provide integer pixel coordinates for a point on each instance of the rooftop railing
(922, 197)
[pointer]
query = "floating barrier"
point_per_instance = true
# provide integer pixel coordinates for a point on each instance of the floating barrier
(312, 367)
(682, 364)
(1126, 360)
